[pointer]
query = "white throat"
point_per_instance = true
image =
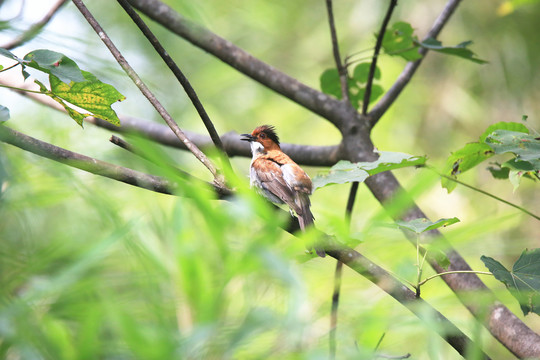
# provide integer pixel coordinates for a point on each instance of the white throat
(256, 148)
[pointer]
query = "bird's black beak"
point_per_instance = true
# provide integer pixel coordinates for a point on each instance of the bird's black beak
(247, 137)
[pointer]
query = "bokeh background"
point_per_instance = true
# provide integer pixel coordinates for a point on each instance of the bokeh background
(90, 267)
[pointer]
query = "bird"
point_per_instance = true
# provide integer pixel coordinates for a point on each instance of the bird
(277, 177)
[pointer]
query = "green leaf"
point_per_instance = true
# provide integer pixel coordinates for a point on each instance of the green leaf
(399, 40)
(498, 172)
(526, 147)
(345, 171)
(361, 72)
(462, 160)
(54, 63)
(517, 169)
(503, 125)
(458, 50)
(523, 281)
(91, 95)
(435, 253)
(9, 54)
(4, 113)
(330, 83)
(421, 225)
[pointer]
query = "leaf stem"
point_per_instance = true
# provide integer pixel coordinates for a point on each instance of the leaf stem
(453, 272)
(20, 89)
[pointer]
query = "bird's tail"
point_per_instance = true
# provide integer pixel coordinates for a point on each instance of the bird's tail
(305, 219)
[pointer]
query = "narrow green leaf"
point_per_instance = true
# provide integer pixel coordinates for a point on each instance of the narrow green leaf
(330, 83)
(4, 113)
(523, 281)
(462, 160)
(91, 95)
(54, 63)
(421, 225)
(345, 171)
(458, 50)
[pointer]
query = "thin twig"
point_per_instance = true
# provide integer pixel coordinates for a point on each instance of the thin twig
(403, 79)
(453, 272)
(147, 93)
(342, 70)
(378, 45)
(171, 64)
(488, 194)
(337, 277)
(35, 28)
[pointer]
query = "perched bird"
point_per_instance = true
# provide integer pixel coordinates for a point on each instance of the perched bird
(277, 177)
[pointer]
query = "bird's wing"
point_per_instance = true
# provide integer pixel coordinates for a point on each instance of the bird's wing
(271, 177)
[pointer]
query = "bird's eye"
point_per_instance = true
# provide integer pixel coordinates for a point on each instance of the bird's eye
(262, 135)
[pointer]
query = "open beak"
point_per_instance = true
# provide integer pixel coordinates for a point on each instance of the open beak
(247, 137)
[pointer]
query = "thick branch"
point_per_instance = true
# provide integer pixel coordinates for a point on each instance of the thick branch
(36, 28)
(405, 296)
(403, 79)
(328, 107)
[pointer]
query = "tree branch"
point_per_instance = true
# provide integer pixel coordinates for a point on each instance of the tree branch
(342, 70)
(403, 79)
(401, 293)
(147, 93)
(180, 77)
(373, 66)
(327, 106)
(35, 29)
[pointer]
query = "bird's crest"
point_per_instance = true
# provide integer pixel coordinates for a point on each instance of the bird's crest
(269, 131)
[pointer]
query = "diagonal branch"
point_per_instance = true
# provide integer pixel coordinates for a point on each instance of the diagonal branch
(147, 93)
(35, 29)
(95, 166)
(342, 70)
(327, 106)
(180, 77)
(373, 66)
(403, 79)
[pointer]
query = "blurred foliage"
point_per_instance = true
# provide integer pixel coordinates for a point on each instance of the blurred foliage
(95, 269)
